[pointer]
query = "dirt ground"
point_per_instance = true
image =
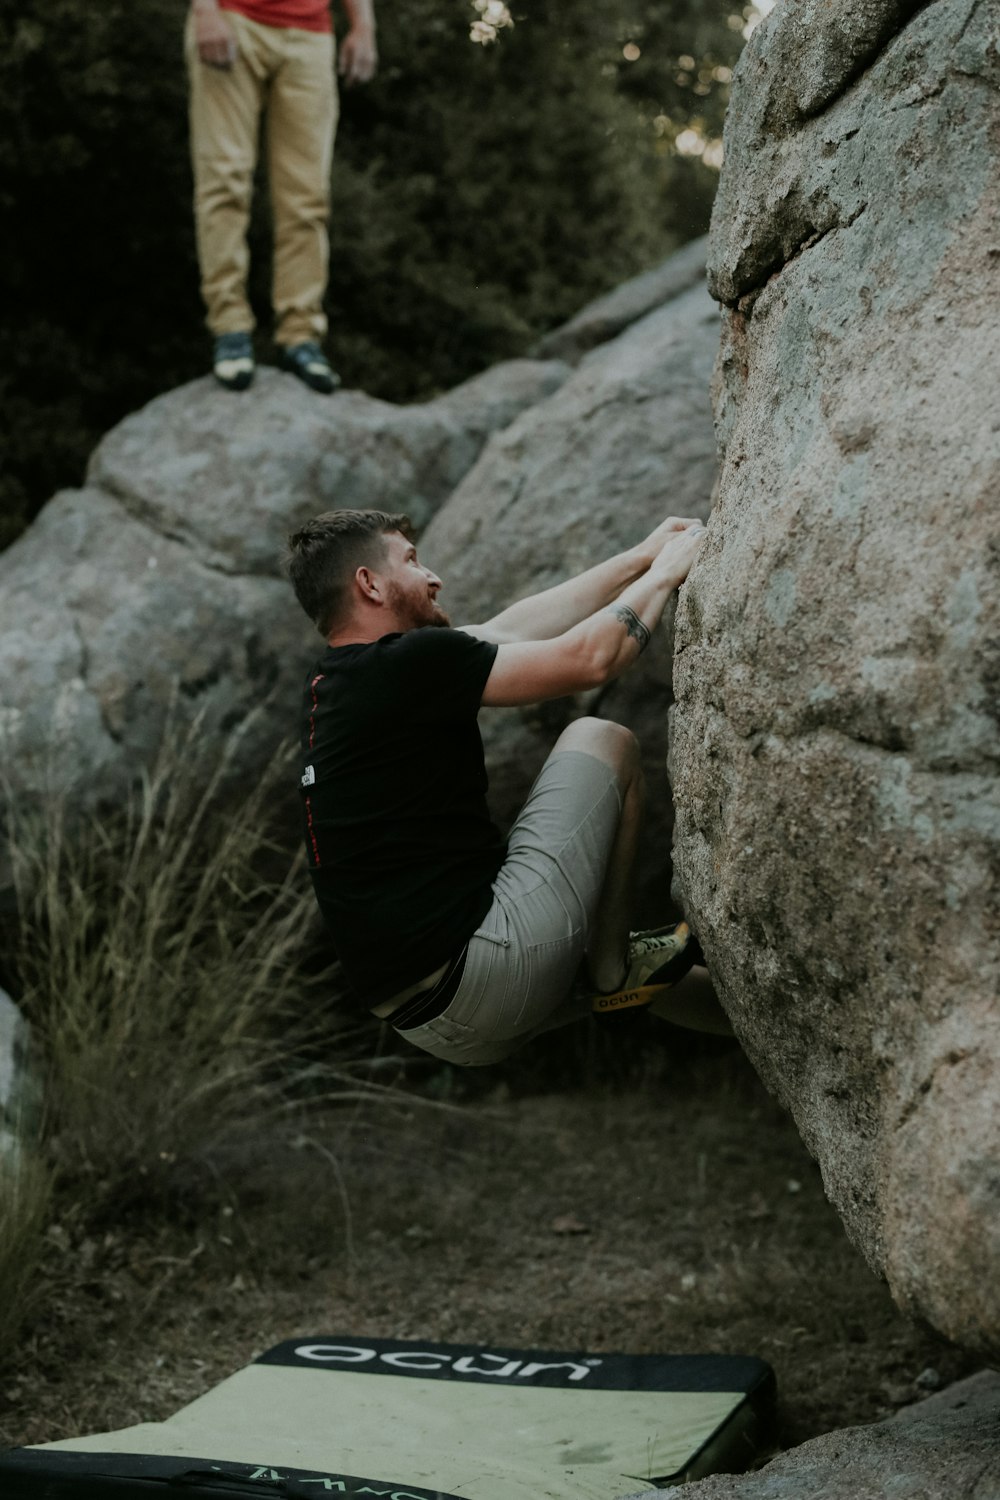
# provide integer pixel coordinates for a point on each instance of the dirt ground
(636, 1191)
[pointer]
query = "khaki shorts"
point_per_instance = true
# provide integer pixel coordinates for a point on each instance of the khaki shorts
(524, 957)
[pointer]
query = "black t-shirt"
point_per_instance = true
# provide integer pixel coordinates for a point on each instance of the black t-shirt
(399, 839)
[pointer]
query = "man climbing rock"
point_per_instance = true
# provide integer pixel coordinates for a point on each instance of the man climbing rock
(467, 944)
(243, 55)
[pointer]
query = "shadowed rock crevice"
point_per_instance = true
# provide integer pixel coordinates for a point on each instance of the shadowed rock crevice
(811, 236)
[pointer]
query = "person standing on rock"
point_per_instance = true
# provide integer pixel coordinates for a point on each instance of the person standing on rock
(245, 56)
(468, 944)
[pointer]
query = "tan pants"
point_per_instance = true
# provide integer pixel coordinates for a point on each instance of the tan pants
(289, 74)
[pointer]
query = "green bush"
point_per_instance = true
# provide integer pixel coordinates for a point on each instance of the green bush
(481, 195)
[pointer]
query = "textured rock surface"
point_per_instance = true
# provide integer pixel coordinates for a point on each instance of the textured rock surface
(159, 582)
(835, 744)
(944, 1448)
(627, 440)
(228, 476)
(610, 315)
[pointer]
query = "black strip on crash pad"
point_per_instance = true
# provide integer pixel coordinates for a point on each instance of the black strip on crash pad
(63, 1474)
(499, 1366)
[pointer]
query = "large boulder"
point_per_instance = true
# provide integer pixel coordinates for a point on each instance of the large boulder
(625, 441)
(154, 593)
(835, 743)
(944, 1448)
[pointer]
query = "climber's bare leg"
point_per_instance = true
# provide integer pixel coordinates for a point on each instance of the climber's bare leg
(618, 748)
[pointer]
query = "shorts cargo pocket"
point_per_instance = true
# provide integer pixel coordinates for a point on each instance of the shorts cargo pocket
(453, 1042)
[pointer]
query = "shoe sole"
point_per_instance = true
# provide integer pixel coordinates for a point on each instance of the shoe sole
(321, 386)
(234, 380)
(644, 994)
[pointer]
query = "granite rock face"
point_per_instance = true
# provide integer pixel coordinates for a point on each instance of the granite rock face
(155, 593)
(625, 441)
(835, 745)
(944, 1448)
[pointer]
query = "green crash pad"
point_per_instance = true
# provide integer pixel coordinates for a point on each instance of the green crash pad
(427, 1421)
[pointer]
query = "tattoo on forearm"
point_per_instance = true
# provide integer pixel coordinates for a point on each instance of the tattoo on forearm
(633, 625)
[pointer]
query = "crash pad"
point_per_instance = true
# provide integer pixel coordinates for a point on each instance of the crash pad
(343, 1415)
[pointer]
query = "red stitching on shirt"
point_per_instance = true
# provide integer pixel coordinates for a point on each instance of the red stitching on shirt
(312, 836)
(315, 705)
(312, 740)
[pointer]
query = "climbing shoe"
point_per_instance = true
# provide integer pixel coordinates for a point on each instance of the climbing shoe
(232, 361)
(656, 961)
(310, 364)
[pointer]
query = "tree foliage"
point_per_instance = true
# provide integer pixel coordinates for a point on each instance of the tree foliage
(481, 194)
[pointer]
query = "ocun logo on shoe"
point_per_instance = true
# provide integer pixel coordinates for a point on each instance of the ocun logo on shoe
(440, 1360)
(308, 777)
(625, 998)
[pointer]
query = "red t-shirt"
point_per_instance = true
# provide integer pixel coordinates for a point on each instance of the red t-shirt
(304, 15)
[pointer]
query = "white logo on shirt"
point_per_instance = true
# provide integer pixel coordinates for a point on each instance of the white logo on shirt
(309, 779)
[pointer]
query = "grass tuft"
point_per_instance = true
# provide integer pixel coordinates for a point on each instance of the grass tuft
(158, 956)
(25, 1195)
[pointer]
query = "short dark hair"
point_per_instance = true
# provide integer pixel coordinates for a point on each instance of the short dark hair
(323, 555)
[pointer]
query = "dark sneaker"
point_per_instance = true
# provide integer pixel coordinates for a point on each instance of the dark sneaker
(657, 960)
(232, 361)
(310, 364)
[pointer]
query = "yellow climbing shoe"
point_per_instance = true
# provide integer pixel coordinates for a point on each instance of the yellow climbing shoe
(657, 960)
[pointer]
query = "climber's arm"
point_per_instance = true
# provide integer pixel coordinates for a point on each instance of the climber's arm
(541, 617)
(600, 648)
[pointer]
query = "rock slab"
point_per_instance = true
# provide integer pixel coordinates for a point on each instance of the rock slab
(944, 1448)
(836, 738)
(608, 316)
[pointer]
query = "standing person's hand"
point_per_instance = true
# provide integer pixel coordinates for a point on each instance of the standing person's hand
(358, 55)
(213, 35)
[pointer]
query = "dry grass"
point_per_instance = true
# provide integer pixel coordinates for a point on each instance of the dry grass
(25, 1196)
(159, 960)
(161, 956)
